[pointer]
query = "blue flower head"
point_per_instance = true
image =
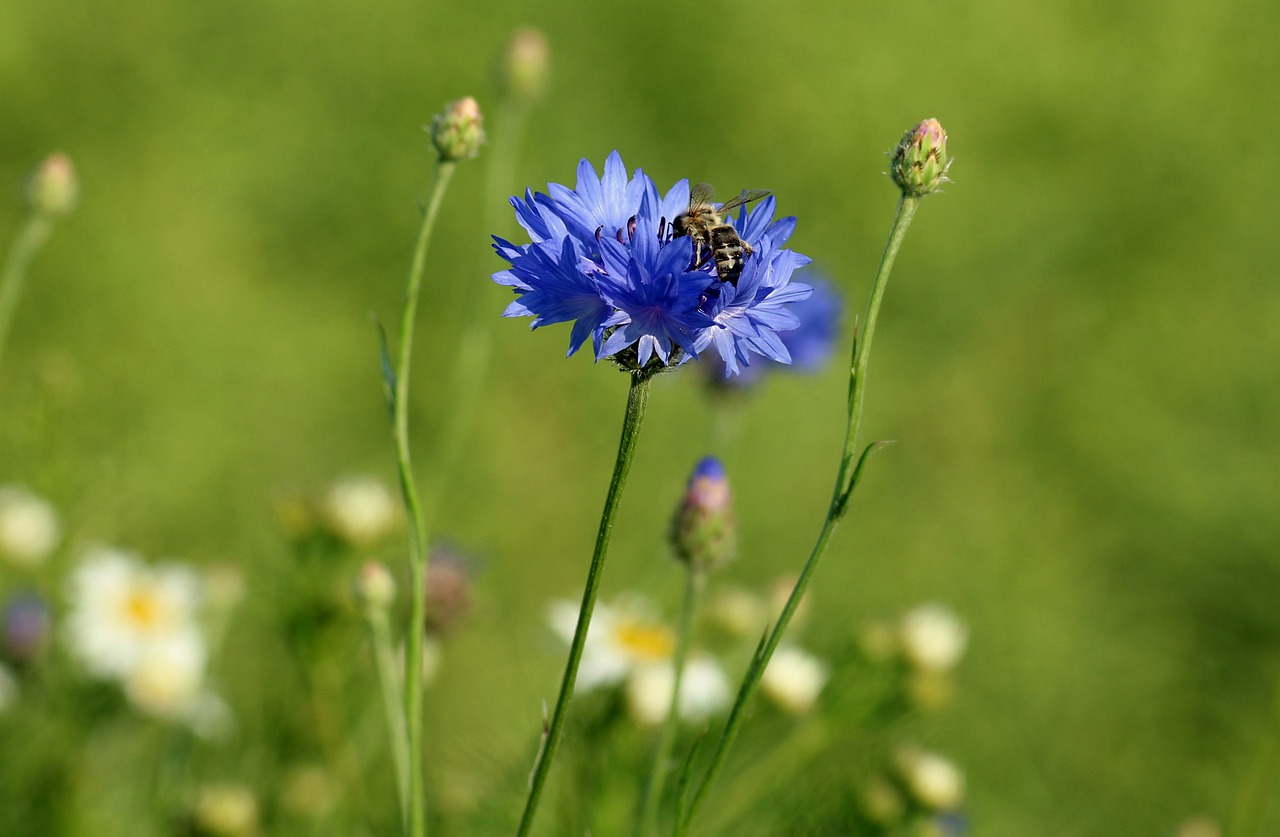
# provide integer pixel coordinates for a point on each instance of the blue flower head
(604, 257)
(810, 344)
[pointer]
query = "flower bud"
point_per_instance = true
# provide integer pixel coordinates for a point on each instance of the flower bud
(52, 188)
(360, 511)
(933, 638)
(457, 132)
(525, 64)
(920, 161)
(881, 802)
(934, 781)
(226, 810)
(930, 691)
(375, 588)
(702, 530)
(448, 590)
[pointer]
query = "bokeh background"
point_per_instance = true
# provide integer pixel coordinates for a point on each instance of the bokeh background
(1078, 354)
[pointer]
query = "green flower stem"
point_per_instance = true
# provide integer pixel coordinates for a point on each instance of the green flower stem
(637, 401)
(390, 685)
(413, 507)
(695, 583)
(846, 480)
(30, 238)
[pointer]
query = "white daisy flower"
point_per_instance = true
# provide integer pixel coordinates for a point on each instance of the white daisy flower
(123, 612)
(621, 637)
(29, 529)
(704, 691)
(168, 676)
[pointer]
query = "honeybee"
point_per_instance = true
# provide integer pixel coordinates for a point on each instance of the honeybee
(712, 237)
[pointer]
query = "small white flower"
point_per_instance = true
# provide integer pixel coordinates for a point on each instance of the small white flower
(167, 678)
(933, 780)
(649, 693)
(704, 691)
(794, 679)
(933, 637)
(361, 510)
(29, 529)
(620, 638)
(8, 688)
(122, 611)
(138, 625)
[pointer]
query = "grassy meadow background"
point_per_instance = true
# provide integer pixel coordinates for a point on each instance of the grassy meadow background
(1078, 356)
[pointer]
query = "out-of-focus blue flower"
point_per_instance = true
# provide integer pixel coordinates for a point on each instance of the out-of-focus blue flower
(25, 627)
(809, 344)
(604, 257)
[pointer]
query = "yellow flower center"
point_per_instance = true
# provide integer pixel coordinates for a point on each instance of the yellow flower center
(650, 642)
(143, 609)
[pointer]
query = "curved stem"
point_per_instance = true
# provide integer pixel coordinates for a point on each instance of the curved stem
(695, 581)
(30, 238)
(413, 507)
(637, 401)
(846, 480)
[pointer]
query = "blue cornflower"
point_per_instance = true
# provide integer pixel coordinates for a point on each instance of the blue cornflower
(810, 344)
(653, 287)
(559, 287)
(747, 317)
(603, 256)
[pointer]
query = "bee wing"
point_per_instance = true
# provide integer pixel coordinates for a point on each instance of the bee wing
(701, 193)
(747, 196)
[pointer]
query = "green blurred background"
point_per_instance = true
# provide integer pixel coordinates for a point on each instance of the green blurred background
(1078, 354)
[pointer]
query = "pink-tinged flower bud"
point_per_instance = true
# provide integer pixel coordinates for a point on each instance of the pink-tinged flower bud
(375, 588)
(526, 62)
(457, 132)
(703, 531)
(920, 161)
(52, 188)
(448, 590)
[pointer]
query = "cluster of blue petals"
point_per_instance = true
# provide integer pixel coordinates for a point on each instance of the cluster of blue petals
(603, 257)
(811, 344)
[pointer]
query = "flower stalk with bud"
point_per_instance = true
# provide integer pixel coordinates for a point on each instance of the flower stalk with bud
(919, 167)
(51, 195)
(704, 537)
(456, 134)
